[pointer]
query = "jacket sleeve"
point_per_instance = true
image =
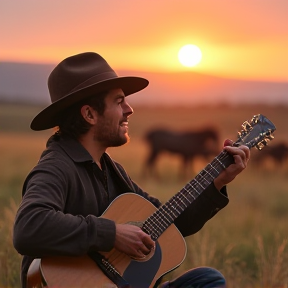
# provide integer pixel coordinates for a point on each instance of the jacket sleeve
(206, 205)
(42, 226)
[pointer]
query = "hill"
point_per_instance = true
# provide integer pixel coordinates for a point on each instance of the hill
(26, 82)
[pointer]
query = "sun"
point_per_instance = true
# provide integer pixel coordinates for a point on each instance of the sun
(190, 55)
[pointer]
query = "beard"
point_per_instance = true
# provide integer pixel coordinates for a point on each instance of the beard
(109, 134)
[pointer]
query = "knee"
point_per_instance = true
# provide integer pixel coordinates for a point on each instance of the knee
(200, 277)
(211, 275)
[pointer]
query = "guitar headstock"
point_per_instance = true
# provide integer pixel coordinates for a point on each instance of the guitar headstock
(256, 133)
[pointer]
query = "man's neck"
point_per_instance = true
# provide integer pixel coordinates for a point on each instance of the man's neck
(93, 147)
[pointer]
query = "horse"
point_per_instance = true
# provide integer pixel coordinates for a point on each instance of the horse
(278, 153)
(188, 145)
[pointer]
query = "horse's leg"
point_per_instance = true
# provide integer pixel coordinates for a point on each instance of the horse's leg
(149, 166)
(184, 171)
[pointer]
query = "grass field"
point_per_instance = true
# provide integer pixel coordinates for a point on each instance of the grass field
(246, 241)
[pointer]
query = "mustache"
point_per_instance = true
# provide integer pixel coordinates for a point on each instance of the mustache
(124, 120)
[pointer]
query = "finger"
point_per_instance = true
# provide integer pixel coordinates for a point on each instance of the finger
(149, 243)
(228, 142)
(145, 250)
(232, 150)
(239, 155)
(140, 254)
(246, 151)
(238, 160)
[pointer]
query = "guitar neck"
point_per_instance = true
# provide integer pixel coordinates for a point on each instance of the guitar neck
(255, 133)
(162, 218)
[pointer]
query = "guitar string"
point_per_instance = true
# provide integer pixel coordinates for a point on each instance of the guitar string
(156, 224)
(155, 218)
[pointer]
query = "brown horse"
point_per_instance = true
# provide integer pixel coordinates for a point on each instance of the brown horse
(278, 153)
(188, 145)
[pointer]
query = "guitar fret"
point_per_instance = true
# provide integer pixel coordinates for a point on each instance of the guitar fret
(207, 171)
(173, 212)
(223, 166)
(167, 214)
(158, 221)
(162, 218)
(182, 201)
(151, 223)
(186, 198)
(207, 181)
(154, 236)
(193, 188)
(177, 204)
(214, 168)
(190, 193)
(203, 179)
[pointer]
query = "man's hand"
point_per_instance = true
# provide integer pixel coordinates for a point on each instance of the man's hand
(132, 241)
(241, 156)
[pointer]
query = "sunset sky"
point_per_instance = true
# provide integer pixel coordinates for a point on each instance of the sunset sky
(245, 39)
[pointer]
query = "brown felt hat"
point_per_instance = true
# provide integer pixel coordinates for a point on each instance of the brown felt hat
(79, 77)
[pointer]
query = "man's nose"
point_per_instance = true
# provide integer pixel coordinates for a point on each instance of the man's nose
(127, 109)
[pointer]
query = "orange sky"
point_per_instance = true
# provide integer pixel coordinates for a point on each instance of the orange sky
(238, 38)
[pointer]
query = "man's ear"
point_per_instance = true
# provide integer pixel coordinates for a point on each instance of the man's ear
(89, 114)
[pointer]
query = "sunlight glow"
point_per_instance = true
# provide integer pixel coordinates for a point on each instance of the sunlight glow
(190, 55)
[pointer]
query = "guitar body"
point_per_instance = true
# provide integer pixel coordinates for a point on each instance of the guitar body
(64, 271)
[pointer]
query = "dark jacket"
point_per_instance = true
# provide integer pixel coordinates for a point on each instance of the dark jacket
(64, 195)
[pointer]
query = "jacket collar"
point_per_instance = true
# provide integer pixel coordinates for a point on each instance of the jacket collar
(79, 154)
(71, 147)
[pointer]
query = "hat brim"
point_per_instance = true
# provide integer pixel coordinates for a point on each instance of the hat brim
(49, 117)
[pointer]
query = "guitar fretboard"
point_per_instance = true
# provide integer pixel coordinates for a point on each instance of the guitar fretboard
(162, 218)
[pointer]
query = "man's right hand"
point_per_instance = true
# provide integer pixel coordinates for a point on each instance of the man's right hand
(132, 241)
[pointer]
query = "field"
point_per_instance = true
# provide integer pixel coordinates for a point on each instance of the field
(246, 241)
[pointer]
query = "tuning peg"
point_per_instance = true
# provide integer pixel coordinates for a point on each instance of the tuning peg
(255, 119)
(260, 145)
(246, 125)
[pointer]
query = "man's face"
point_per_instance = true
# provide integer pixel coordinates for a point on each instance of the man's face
(111, 129)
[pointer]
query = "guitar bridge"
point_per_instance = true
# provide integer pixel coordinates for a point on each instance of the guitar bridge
(109, 270)
(109, 267)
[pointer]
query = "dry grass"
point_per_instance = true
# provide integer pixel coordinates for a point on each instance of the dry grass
(247, 241)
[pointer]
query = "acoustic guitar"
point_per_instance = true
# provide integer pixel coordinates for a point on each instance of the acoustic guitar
(170, 249)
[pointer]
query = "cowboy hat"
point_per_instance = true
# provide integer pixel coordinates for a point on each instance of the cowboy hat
(77, 78)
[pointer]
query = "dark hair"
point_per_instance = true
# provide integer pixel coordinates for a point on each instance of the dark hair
(72, 122)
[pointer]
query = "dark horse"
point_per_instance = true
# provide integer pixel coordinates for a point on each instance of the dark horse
(188, 145)
(277, 153)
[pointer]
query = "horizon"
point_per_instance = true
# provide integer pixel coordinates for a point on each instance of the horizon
(28, 83)
(178, 72)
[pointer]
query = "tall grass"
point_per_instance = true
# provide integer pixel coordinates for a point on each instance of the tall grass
(9, 259)
(246, 241)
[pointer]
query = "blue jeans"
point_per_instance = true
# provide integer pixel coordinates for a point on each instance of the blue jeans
(202, 277)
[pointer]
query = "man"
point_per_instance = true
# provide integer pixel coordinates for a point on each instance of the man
(75, 179)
